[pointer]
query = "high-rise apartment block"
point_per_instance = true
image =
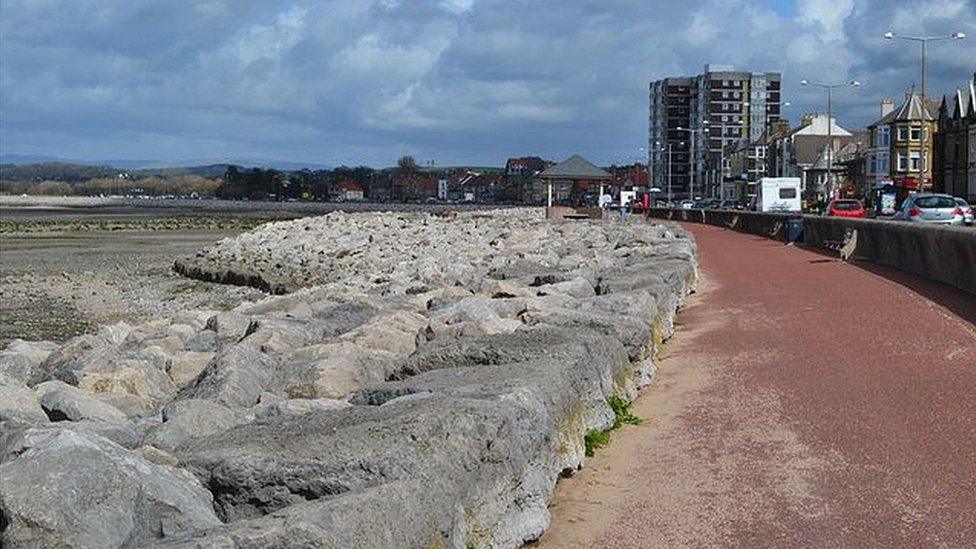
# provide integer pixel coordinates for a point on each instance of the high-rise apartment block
(694, 121)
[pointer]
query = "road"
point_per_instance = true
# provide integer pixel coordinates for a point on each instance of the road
(804, 402)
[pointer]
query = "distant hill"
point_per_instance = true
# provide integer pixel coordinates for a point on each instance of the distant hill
(73, 172)
(55, 171)
(200, 167)
(21, 159)
(209, 170)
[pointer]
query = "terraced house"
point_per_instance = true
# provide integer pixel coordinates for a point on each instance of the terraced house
(955, 144)
(902, 140)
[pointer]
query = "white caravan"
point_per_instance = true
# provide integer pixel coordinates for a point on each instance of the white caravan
(778, 194)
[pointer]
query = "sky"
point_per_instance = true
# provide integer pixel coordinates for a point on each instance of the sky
(448, 81)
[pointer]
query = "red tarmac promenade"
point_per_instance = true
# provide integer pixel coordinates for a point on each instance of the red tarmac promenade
(804, 402)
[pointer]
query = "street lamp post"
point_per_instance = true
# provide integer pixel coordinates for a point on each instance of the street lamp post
(670, 171)
(830, 126)
(694, 161)
(924, 40)
(721, 158)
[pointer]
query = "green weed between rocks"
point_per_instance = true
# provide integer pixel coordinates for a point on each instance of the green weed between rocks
(598, 438)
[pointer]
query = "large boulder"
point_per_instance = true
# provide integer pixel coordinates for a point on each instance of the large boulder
(63, 488)
(483, 444)
(296, 406)
(63, 402)
(237, 377)
(19, 405)
(471, 316)
(191, 418)
(19, 359)
(363, 355)
(184, 368)
(137, 379)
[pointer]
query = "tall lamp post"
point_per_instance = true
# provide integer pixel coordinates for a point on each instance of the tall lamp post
(830, 125)
(924, 40)
(767, 129)
(670, 165)
(694, 161)
(721, 154)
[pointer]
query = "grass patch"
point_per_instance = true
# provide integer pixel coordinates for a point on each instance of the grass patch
(621, 411)
(598, 438)
(595, 439)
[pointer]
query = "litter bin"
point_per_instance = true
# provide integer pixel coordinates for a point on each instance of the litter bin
(794, 228)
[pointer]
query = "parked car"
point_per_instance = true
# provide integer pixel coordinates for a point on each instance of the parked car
(706, 204)
(967, 210)
(845, 207)
(931, 208)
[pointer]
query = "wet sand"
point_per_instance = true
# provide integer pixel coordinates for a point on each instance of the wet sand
(57, 285)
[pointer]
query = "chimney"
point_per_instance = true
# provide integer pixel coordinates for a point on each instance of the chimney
(887, 105)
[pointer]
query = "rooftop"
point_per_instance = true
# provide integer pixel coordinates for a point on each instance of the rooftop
(575, 167)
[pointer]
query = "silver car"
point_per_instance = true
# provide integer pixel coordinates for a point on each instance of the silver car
(931, 208)
(967, 210)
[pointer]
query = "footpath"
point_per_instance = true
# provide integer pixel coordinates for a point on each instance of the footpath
(803, 402)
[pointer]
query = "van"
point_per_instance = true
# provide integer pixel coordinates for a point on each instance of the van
(778, 194)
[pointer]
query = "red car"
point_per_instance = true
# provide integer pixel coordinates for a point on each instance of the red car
(840, 207)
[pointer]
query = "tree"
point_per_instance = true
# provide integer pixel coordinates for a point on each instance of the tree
(407, 164)
(52, 188)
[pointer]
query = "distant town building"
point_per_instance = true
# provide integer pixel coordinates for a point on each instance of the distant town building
(350, 190)
(955, 144)
(878, 163)
(628, 177)
(808, 153)
(911, 127)
(472, 186)
(519, 176)
(413, 186)
(715, 111)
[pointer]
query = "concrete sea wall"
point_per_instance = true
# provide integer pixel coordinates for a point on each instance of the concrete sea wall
(946, 254)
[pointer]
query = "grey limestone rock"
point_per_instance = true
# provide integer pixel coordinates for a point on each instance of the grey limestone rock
(19, 406)
(188, 418)
(19, 359)
(62, 402)
(63, 488)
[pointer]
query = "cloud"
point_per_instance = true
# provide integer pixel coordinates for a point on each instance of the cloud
(453, 80)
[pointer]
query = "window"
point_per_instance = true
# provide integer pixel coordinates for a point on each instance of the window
(916, 160)
(916, 134)
(881, 136)
(935, 202)
(902, 133)
(786, 193)
(902, 162)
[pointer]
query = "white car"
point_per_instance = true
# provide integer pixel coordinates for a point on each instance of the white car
(967, 210)
(931, 208)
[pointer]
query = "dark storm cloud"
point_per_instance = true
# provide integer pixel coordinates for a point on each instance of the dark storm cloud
(454, 80)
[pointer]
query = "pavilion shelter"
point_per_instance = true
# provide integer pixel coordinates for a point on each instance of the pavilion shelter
(568, 182)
